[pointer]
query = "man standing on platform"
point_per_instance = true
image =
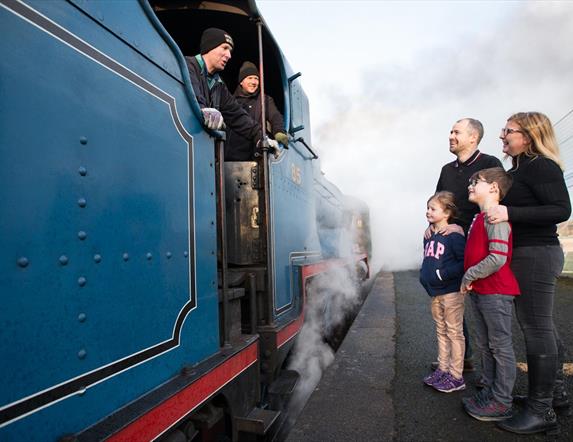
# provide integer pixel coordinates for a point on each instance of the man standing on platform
(465, 137)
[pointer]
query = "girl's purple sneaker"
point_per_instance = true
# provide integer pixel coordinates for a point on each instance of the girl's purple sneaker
(434, 377)
(448, 383)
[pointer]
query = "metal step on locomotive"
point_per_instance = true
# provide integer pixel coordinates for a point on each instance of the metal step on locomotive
(150, 290)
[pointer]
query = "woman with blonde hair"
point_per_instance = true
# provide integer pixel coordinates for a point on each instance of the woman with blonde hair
(536, 202)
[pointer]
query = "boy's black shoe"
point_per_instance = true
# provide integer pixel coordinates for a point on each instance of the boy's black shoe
(491, 410)
(482, 397)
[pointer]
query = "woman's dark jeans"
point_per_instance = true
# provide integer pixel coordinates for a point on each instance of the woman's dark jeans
(536, 269)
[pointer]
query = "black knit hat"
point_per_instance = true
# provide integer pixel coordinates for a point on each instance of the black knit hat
(247, 69)
(213, 37)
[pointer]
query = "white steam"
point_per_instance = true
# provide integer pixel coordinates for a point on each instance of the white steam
(388, 144)
(330, 297)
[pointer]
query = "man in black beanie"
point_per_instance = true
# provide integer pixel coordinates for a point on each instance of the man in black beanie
(219, 107)
(239, 148)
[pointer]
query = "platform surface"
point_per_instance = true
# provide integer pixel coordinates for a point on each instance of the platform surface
(373, 391)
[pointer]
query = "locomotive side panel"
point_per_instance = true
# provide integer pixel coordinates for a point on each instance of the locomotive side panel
(294, 228)
(101, 158)
(294, 233)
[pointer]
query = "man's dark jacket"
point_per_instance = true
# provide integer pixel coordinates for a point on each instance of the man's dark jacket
(219, 97)
(240, 148)
(455, 178)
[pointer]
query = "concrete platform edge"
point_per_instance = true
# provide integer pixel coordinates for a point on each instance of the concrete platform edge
(353, 400)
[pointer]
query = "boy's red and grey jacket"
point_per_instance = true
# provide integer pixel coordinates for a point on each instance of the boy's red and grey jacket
(443, 264)
(488, 257)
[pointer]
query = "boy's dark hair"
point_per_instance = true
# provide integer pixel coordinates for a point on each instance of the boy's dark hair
(446, 200)
(495, 175)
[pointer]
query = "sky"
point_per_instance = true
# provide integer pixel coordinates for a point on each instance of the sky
(386, 80)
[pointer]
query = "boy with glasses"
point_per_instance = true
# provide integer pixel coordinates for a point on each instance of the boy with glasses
(492, 286)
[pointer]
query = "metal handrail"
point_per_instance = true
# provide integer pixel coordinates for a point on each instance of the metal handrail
(222, 231)
(301, 140)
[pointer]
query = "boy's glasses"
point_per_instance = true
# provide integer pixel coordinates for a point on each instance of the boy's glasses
(475, 181)
(505, 131)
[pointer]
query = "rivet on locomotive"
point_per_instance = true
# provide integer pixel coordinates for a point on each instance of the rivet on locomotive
(150, 290)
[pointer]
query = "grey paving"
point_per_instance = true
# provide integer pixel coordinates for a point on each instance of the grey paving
(353, 400)
(373, 391)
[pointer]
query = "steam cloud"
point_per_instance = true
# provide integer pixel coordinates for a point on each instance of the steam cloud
(388, 145)
(330, 298)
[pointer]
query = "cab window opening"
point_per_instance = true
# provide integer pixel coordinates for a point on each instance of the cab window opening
(185, 25)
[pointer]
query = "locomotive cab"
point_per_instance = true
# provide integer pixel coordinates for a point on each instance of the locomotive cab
(244, 244)
(245, 268)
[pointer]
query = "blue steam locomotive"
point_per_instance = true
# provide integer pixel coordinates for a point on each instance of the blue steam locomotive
(150, 290)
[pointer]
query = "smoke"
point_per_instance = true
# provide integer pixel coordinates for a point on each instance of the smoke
(387, 144)
(330, 299)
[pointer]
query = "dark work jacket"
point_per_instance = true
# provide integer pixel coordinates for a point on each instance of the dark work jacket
(455, 178)
(443, 265)
(220, 98)
(240, 148)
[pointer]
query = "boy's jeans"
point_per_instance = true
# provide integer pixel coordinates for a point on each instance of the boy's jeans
(448, 314)
(492, 315)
